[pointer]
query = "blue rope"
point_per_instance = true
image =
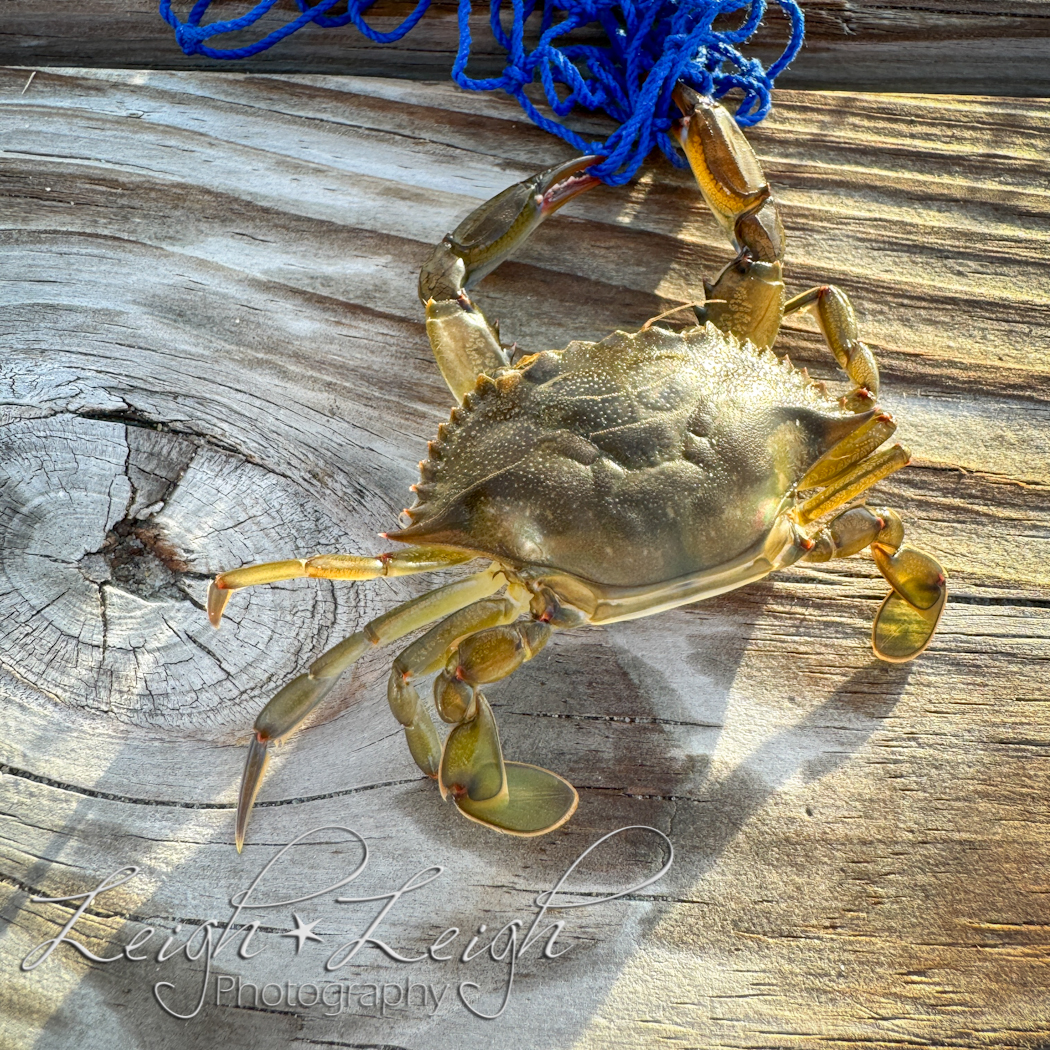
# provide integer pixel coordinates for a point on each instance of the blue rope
(651, 45)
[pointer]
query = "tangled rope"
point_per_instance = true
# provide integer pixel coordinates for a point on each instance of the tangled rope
(651, 45)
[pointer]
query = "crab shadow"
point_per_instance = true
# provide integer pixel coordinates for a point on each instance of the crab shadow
(672, 722)
(825, 739)
(688, 722)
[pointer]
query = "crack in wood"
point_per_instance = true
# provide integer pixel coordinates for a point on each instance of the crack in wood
(131, 800)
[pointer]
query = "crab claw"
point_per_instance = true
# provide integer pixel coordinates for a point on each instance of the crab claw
(511, 797)
(729, 175)
(910, 613)
(493, 230)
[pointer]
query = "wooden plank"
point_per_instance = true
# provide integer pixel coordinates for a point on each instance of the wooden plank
(212, 353)
(962, 46)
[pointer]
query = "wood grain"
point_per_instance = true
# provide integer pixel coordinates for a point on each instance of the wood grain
(964, 46)
(212, 353)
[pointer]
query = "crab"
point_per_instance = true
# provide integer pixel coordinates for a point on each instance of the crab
(609, 481)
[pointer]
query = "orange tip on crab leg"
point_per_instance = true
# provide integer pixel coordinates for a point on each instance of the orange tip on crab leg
(217, 599)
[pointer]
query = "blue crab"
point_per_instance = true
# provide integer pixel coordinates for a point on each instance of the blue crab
(608, 481)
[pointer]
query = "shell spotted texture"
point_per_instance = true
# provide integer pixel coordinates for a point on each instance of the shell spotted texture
(630, 461)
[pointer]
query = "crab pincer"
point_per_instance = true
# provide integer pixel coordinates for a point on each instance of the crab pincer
(729, 176)
(464, 343)
(491, 232)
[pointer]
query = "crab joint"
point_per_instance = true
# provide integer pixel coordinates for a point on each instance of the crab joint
(853, 530)
(453, 698)
(491, 655)
(286, 711)
(548, 608)
(428, 652)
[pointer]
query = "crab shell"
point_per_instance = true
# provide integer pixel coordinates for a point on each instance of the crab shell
(629, 463)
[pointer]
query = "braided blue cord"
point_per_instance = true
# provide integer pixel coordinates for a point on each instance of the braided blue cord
(650, 46)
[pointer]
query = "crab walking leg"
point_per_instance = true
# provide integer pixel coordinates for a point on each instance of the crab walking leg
(850, 451)
(511, 797)
(329, 567)
(850, 531)
(838, 325)
(478, 644)
(909, 615)
(291, 705)
(852, 483)
(464, 343)
(426, 654)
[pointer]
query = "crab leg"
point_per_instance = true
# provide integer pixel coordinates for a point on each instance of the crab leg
(852, 449)
(464, 343)
(852, 483)
(288, 709)
(329, 567)
(729, 176)
(479, 644)
(426, 654)
(747, 298)
(838, 323)
(532, 801)
(850, 531)
(511, 797)
(909, 615)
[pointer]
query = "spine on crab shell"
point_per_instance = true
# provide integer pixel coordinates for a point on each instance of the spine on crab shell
(430, 468)
(484, 388)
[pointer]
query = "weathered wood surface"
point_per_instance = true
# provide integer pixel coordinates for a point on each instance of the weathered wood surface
(998, 47)
(212, 353)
